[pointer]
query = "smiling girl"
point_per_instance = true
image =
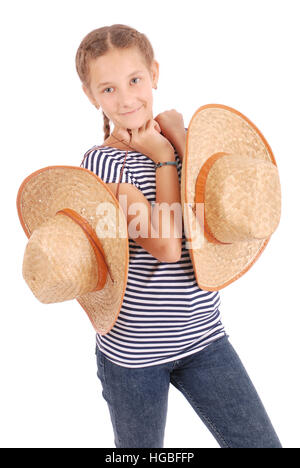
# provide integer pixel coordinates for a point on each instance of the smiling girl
(168, 329)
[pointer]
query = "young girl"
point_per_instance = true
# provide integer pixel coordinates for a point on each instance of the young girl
(168, 329)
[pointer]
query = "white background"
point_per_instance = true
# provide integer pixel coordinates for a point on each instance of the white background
(244, 54)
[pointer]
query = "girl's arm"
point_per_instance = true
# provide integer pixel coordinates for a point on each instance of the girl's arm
(178, 141)
(172, 127)
(167, 212)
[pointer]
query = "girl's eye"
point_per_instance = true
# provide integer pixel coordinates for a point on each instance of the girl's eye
(131, 80)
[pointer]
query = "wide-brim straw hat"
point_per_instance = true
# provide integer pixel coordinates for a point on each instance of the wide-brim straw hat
(78, 241)
(230, 192)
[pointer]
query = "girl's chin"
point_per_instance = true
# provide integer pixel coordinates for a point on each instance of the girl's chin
(138, 124)
(133, 124)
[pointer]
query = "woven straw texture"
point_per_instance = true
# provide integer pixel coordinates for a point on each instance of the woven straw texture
(48, 190)
(250, 203)
(216, 128)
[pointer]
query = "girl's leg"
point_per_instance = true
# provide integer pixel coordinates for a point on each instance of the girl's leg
(137, 400)
(216, 384)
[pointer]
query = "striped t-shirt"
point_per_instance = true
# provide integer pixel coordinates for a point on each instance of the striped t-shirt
(164, 315)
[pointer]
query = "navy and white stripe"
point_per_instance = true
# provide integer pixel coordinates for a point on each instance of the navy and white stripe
(164, 315)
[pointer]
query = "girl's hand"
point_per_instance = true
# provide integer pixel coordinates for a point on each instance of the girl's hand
(171, 124)
(148, 140)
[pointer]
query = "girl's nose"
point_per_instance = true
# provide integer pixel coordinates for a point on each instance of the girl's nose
(126, 101)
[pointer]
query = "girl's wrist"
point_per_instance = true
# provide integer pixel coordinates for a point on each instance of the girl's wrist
(178, 141)
(166, 163)
(168, 155)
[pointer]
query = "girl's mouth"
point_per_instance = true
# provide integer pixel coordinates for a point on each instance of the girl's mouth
(132, 112)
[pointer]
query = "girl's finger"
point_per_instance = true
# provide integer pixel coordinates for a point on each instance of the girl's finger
(122, 134)
(157, 127)
(142, 128)
(148, 124)
(134, 135)
(134, 132)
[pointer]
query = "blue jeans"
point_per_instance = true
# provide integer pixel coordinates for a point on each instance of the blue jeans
(213, 380)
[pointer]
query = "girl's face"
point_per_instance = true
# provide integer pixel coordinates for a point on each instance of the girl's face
(121, 84)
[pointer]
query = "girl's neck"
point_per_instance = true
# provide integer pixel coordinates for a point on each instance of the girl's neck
(113, 142)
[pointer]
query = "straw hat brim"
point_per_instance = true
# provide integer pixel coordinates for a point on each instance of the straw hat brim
(53, 188)
(218, 128)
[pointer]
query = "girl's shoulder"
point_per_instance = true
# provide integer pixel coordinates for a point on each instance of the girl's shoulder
(107, 163)
(100, 150)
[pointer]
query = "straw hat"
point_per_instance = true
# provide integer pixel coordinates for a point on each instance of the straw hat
(230, 191)
(78, 241)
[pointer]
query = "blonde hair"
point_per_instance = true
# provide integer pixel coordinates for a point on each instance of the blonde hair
(102, 40)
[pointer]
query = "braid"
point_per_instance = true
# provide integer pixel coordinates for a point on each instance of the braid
(106, 126)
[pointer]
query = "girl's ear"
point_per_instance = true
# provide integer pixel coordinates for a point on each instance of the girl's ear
(89, 95)
(155, 71)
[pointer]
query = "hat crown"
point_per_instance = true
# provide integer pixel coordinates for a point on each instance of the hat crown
(242, 199)
(59, 259)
